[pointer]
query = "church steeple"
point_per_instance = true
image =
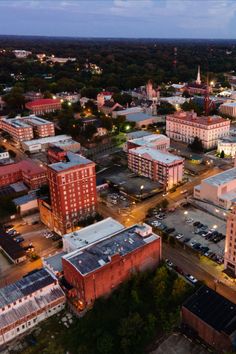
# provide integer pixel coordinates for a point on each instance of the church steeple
(198, 81)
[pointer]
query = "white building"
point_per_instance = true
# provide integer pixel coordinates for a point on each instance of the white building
(219, 190)
(27, 302)
(228, 145)
(21, 54)
(4, 155)
(155, 141)
(127, 112)
(42, 144)
(185, 126)
(229, 109)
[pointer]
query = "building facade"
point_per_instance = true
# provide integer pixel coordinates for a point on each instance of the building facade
(159, 166)
(229, 109)
(185, 126)
(73, 195)
(17, 128)
(228, 145)
(44, 105)
(33, 175)
(230, 243)
(99, 268)
(41, 127)
(155, 141)
(27, 302)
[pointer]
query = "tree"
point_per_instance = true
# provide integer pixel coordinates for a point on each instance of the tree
(105, 344)
(196, 145)
(15, 99)
(192, 105)
(166, 108)
(122, 98)
(164, 203)
(222, 154)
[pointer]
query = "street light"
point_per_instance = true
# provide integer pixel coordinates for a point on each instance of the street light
(186, 212)
(215, 226)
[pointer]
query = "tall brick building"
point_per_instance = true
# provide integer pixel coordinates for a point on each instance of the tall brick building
(230, 242)
(72, 185)
(44, 105)
(96, 269)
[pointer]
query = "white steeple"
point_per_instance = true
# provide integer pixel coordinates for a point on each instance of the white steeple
(198, 81)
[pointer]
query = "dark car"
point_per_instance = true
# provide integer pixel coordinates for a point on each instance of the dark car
(186, 240)
(196, 223)
(170, 230)
(56, 237)
(19, 239)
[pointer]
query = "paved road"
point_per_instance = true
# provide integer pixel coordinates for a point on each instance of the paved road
(203, 269)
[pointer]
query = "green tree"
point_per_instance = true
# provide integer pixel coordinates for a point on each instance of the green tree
(15, 99)
(196, 145)
(222, 154)
(105, 343)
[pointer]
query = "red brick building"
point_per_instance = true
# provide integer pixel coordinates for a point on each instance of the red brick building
(73, 196)
(44, 105)
(56, 154)
(17, 128)
(27, 171)
(96, 270)
(211, 317)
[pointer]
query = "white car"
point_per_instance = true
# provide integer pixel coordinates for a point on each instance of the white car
(192, 243)
(191, 278)
(169, 263)
(179, 236)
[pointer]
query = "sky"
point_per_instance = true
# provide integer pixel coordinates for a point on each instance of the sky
(120, 18)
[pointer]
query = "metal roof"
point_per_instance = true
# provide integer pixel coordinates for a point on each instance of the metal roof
(222, 178)
(73, 161)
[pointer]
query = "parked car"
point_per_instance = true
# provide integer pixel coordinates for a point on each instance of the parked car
(192, 243)
(187, 239)
(170, 230)
(169, 263)
(196, 223)
(179, 236)
(191, 278)
(19, 239)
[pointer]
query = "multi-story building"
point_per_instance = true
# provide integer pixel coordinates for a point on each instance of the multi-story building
(230, 242)
(155, 141)
(185, 126)
(26, 128)
(228, 145)
(71, 97)
(32, 95)
(219, 190)
(159, 166)
(56, 154)
(73, 196)
(17, 128)
(228, 108)
(102, 97)
(21, 54)
(97, 269)
(42, 144)
(41, 127)
(33, 175)
(44, 105)
(27, 302)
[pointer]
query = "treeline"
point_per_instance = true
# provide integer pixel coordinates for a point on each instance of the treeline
(124, 64)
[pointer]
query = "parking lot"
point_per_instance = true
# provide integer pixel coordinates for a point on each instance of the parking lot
(210, 236)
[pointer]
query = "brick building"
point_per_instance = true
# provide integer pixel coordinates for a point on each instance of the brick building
(44, 105)
(97, 269)
(73, 196)
(27, 171)
(211, 317)
(56, 154)
(159, 166)
(27, 302)
(185, 126)
(155, 141)
(230, 242)
(26, 128)
(17, 128)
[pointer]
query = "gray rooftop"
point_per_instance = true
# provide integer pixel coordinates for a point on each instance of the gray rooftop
(155, 154)
(222, 178)
(25, 286)
(73, 161)
(36, 120)
(48, 139)
(228, 139)
(17, 123)
(54, 263)
(91, 233)
(99, 254)
(25, 199)
(139, 117)
(137, 134)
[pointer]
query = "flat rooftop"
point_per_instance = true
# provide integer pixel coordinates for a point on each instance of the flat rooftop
(73, 161)
(48, 139)
(122, 243)
(230, 104)
(54, 263)
(139, 117)
(25, 286)
(222, 178)
(17, 123)
(228, 139)
(93, 233)
(153, 154)
(212, 308)
(137, 134)
(25, 199)
(37, 120)
(149, 139)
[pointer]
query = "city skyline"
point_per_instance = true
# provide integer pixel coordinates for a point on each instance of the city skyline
(120, 18)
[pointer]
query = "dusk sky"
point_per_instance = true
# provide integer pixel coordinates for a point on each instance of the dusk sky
(120, 18)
